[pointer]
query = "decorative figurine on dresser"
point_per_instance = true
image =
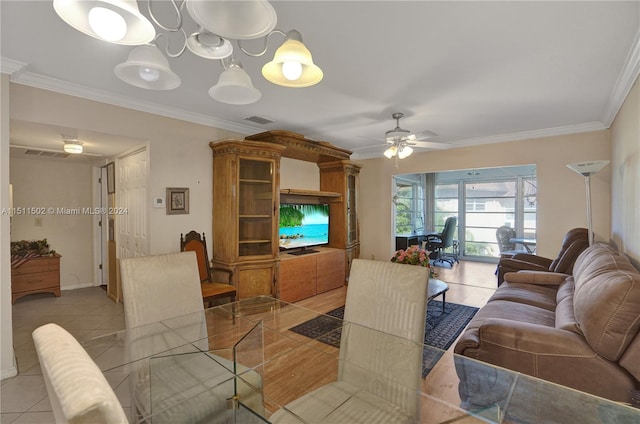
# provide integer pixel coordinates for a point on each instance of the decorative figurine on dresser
(35, 268)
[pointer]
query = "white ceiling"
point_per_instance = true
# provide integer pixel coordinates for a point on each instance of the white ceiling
(473, 72)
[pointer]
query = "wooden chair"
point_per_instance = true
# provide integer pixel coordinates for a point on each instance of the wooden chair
(210, 290)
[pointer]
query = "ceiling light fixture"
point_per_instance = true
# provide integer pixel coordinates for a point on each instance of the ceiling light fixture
(116, 21)
(73, 146)
(400, 148)
(219, 22)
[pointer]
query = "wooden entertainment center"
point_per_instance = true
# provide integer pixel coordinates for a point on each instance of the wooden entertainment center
(246, 204)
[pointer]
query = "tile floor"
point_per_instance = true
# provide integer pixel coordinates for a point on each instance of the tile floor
(85, 313)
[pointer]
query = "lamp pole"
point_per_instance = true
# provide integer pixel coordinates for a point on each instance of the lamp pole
(587, 169)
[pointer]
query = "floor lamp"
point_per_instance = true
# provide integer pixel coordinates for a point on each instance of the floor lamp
(587, 169)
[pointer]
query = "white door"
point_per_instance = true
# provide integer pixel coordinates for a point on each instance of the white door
(131, 194)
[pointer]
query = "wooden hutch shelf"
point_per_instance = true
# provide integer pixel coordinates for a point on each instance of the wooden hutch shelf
(246, 201)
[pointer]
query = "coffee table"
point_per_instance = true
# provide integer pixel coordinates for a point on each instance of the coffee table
(436, 288)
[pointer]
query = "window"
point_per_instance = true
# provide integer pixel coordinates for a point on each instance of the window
(482, 200)
(409, 206)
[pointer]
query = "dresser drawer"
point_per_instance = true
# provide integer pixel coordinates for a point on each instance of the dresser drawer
(29, 282)
(37, 266)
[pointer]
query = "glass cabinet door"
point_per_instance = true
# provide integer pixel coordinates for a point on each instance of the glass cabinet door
(256, 207)
(352, 226)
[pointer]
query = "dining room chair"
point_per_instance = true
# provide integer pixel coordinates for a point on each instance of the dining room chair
(78, 391)
(380, 362)
(210, 290)
(167, 288)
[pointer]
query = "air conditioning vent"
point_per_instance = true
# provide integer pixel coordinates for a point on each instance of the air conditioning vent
(44, 153)
(259, 120)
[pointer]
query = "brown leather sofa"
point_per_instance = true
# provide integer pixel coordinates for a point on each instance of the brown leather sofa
(580, 330)
(573, 243)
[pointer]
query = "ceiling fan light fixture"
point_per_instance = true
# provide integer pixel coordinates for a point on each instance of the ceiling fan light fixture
(292, 64)
(391, 151)
(146, 67)
(114, 21)
(234, 87)
(405, 152)
(73, 146)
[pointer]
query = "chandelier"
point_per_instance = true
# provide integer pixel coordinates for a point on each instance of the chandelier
(219, 23)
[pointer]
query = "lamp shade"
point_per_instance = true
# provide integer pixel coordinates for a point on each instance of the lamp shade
(588, 168)
(237, 20)
(208, 45)
(74, 147)
(292, 64)
(146, 67)
(405, 152)
(116, 21)
(391, 151)
(235, 87)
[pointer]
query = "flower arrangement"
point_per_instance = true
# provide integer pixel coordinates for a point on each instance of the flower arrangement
(24, 247)
(414, 255)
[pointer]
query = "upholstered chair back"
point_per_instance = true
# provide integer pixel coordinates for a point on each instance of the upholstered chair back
(78, 391)
(573, 244)
(390, 298)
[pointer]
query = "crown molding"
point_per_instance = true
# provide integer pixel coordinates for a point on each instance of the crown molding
(525, 135)
(10, 66)
(504, 138)
(626, 79)
(64, 87)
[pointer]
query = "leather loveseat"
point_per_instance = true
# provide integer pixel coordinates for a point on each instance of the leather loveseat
(573, 244)
(579, 330)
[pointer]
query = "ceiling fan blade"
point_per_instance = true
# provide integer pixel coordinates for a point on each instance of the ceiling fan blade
(423, 135)
(430, 145)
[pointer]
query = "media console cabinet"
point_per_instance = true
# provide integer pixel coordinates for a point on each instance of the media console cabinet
(312, 273)
(39, 274)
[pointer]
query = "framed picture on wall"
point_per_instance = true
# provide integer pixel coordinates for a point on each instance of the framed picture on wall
(177, 200)
(111, 177)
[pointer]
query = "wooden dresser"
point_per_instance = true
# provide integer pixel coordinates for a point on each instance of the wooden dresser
(36, 275)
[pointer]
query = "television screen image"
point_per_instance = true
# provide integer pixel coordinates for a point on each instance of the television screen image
(302, 226)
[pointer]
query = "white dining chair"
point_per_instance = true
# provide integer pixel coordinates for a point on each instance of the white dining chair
(379, 371)
(192, 385)
(78, 391)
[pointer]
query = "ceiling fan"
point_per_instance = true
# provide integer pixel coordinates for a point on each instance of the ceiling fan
(402, 140)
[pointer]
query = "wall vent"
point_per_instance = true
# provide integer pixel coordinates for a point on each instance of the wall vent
(259, 120)
(44, 153)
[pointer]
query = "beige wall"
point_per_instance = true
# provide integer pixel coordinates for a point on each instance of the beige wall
(179, 153)
(625, 181)
(51, 183)
(561, 192)
(299, 174)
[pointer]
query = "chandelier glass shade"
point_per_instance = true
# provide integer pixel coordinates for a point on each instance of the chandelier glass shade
(146, 67)
(219, 22)
(234, 87)
(116, 21)
(292, 65)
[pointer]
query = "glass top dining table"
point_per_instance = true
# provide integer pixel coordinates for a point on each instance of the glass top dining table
(250, 344)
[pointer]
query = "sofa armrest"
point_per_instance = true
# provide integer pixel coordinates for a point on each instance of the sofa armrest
(542, 278)
(533, 259)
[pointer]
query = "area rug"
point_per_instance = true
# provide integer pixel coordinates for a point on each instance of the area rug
(441, 329)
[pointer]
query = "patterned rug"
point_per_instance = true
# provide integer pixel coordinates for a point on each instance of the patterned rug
(441, 329)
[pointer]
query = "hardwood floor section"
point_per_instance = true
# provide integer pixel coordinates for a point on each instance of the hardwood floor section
(470, 283)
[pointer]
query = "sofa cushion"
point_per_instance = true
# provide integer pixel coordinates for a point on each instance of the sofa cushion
(566, 288)
(565, 317)
(606, 301)
(529, 294)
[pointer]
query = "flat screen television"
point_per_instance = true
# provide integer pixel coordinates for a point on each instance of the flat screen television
(303, 226)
